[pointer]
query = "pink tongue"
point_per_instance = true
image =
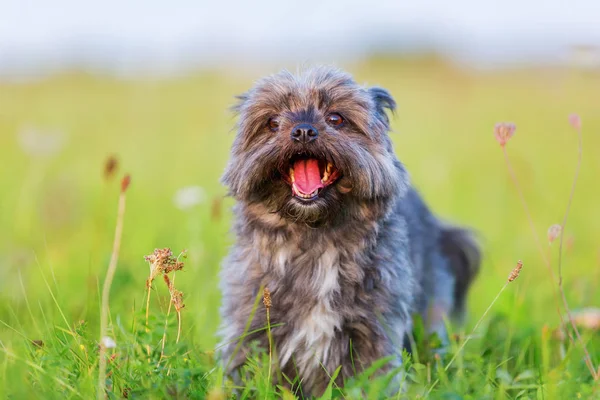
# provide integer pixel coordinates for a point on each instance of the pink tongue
(307, 175)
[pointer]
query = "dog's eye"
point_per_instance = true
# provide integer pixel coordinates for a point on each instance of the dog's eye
(273, 124)
(335, 119)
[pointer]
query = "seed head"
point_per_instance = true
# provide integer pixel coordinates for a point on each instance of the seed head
(125, 183)
(554, 232)
(267, 298)
(515, 272)
(177, 299)
(503, 131)
(162, 261)
(159, 256)
(110, 167)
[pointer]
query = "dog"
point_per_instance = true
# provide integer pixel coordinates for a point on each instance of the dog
(327, 221)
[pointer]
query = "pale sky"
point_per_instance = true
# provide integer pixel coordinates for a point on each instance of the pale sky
(129, 35)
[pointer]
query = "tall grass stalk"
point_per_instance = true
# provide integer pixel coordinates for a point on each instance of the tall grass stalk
(577, 125)
(110, 273)
(513, 275)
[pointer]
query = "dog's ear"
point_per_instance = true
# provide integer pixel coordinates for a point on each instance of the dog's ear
(240, 101)
(383, 100)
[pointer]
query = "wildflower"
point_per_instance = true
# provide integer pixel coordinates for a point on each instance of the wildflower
(575, 121)
(554, 232)
(503, 132)
(588, 318)
(108, 343)
(162, 262)
(188, 197)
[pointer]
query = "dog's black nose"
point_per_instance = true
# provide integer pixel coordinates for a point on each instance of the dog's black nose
(304, 133)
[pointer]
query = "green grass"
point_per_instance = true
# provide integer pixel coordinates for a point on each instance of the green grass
(57, 218)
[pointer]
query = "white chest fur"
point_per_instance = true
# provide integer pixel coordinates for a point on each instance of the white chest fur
(311, 339)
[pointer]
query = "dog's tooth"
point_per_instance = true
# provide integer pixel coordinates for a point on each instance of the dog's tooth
(329, 167)
(292, 175)
(325, 177)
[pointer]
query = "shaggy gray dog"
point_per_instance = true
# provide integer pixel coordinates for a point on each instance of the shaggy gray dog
(327, 220)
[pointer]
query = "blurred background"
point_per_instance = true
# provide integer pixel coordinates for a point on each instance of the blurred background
(90, 91)
(141, 38)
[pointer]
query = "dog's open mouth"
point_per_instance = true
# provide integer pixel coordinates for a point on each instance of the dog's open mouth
(310, 176)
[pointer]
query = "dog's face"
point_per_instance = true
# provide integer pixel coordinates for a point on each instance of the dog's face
(309, 145)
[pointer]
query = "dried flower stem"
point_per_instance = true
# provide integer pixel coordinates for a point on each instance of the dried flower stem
(547, 261)
(110, 273)
(164, 339)
(515, 181)
(176, 300)
(468, 338)
(149, 285)
(513, 275)
(178, 326)
(571, 194)
(162, 262)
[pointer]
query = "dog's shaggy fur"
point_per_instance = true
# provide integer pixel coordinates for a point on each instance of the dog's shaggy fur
(347, 268)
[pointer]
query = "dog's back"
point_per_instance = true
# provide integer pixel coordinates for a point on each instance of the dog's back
(446, 259)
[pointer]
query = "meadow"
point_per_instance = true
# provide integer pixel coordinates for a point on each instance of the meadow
(58, 209)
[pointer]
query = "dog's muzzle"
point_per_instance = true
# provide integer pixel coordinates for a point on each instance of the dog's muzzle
(304, 133)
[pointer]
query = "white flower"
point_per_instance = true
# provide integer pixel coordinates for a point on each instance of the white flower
(108, 343)
(40, 143)
(189, 197)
